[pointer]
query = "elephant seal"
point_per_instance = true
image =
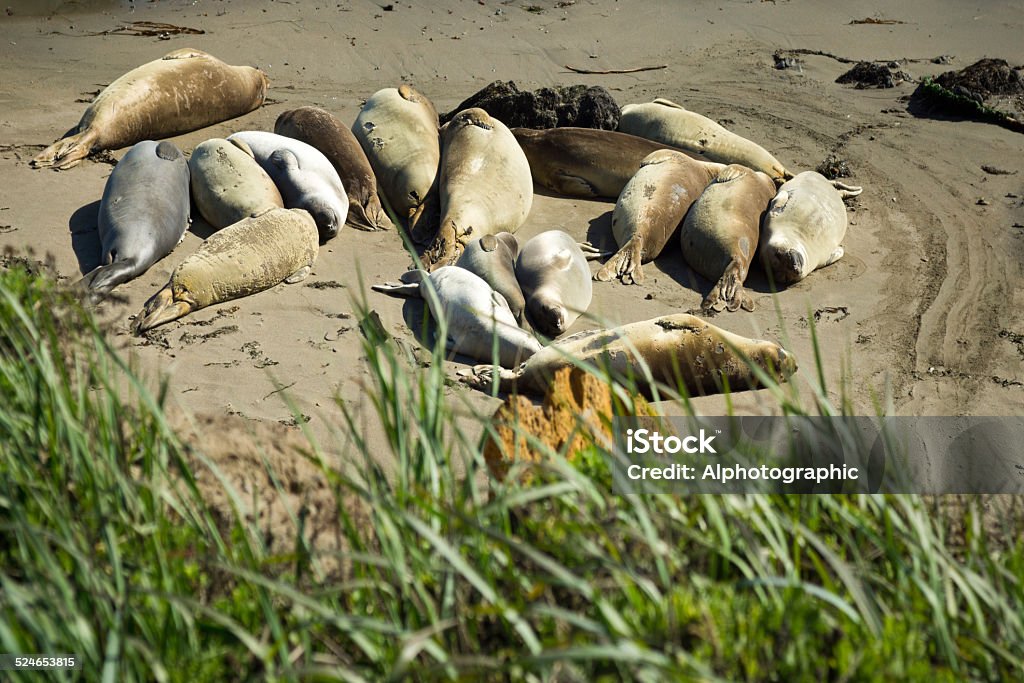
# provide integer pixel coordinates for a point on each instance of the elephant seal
(584, 162)
(672, 352)
(250, 256)
(398, 130)
(668, 122)
(485, 185)
(650, 208)
(321, 129)
(137, 225)
(720, 231)
(228, 184)
(305, 177)
(474, 314)
(804, 226)
(553, 272)
(183, 91)
(493, 258)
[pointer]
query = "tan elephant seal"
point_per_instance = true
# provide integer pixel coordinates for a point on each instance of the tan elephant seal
(321, 129)
(228, 184)
(668, 122)
(650, 208)
(477, 318)
(242, 259)
(804, 227)
(183, 91)
(720, 233)
(584, 162)
(676, 353)
(553, 272)
(398, 130)
(485, 185)
(493, 258)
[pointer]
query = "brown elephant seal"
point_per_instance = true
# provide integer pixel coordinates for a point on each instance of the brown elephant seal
(804, 227)
(676, 353)
(228, 184)
(321, 129)
(553, 272)
(493, 258)
(720, 233)
(650, 208)
(485, 185)
(137, 225)
(475, 316)
(398, 130)
(183, 91)
(242, 259)
(584, 162)
(668, 122)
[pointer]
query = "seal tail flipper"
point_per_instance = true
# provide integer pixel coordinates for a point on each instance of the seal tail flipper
(161, 308)
(101, 280)
(625, 265)
(408, 288)
(422, 220)
(847, 190)
(66, 152)
(375, 214)
(591, 252)
(728, 293)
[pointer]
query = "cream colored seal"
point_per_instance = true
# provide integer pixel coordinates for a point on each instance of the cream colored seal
(185, 90)
(668, 122)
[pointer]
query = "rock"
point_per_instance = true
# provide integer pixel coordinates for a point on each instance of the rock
(573, 105)
(833, 167)
(873, 75)
(576, 413)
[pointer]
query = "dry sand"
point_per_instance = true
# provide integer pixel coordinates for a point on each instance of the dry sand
(924, 310)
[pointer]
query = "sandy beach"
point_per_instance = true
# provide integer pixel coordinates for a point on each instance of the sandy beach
(922, 316)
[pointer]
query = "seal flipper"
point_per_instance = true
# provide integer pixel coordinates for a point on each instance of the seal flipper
(408, 288)
(101, 280)
(482, 377)
(573, 186)
(845, 190)
(66, 152)
(299, 275)
(163, 307)
(591, 252)
(625, 265)
(728, 293)
(833, 257)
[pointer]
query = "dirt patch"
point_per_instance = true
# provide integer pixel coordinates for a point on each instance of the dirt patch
(286, 497)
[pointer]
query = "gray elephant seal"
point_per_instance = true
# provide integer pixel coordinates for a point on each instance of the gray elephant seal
(242, 259)
(804, 227)
(555, 277)
(584, 162)
(228, 184)
(650, 208)
(485, 185)
(720, 233)
(474, 314)
(305, 177)
(398, 130)
(493, 258)
(185, 90)
(321, 129)
(677, 353)
(143, 215)
(668, 122)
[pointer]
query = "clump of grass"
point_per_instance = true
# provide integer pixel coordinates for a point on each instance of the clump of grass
(107, 550)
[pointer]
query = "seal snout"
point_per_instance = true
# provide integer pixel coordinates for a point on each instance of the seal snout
(786, 266)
